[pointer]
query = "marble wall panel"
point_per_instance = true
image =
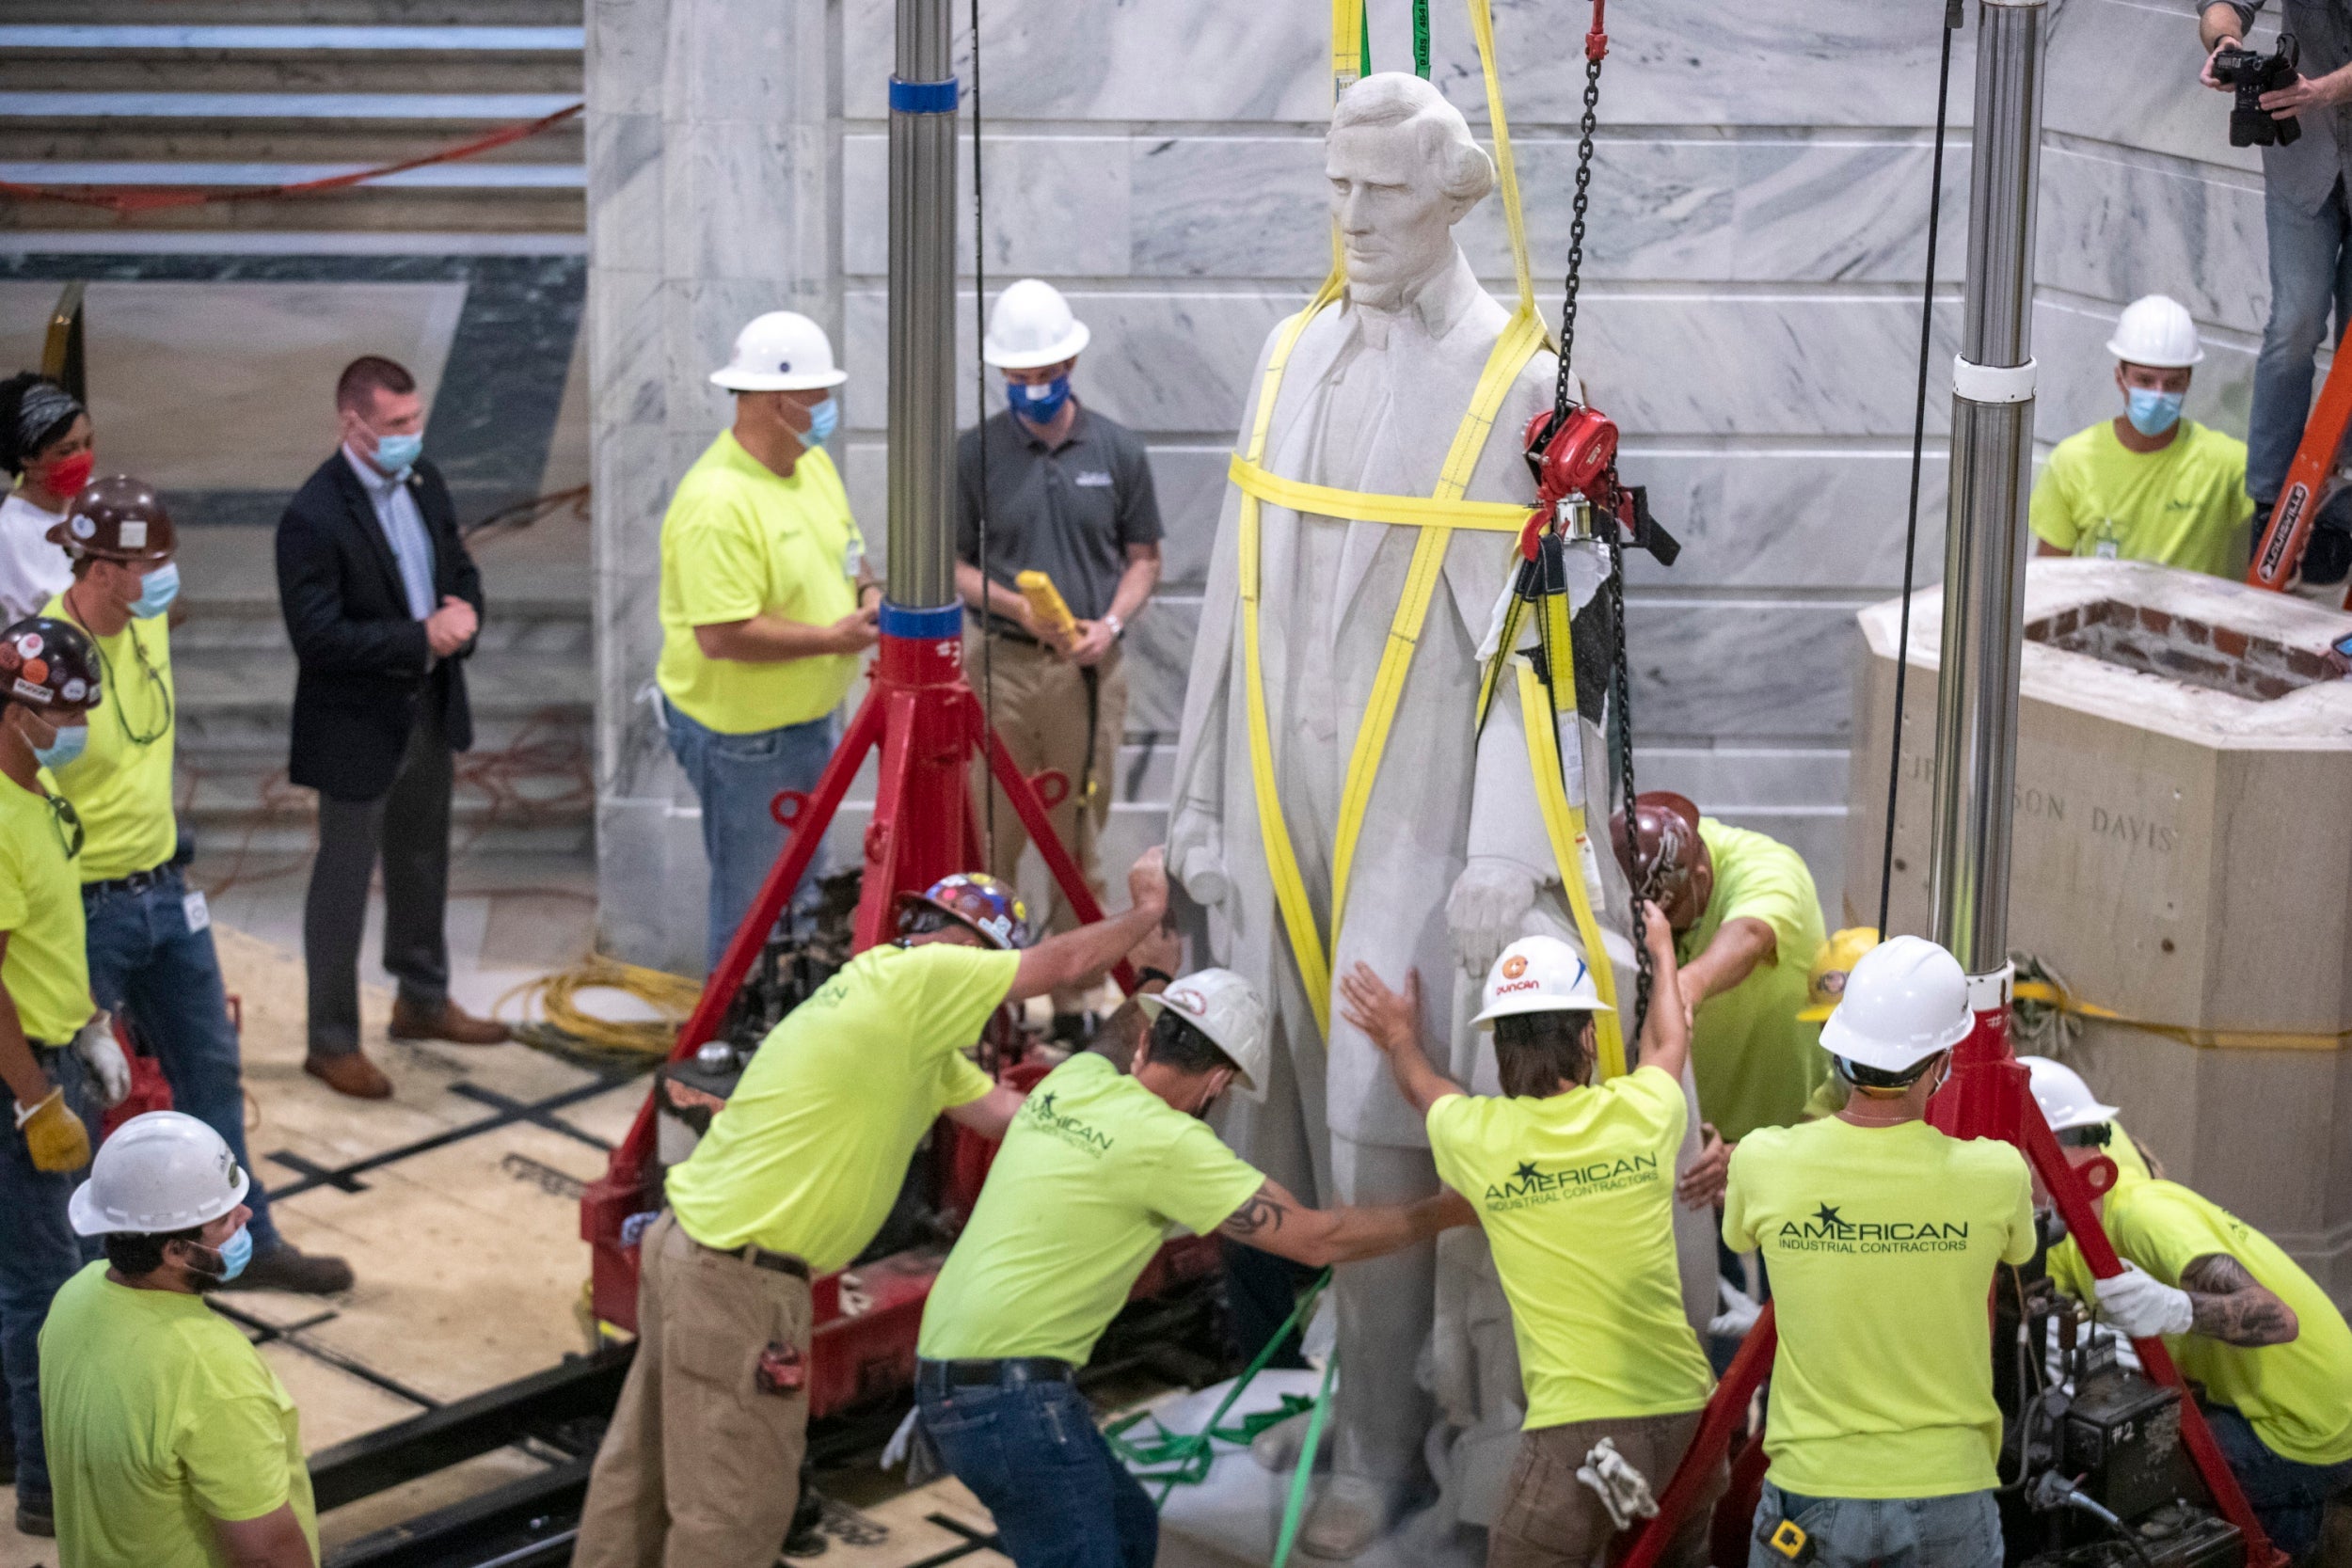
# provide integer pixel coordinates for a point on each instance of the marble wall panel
(1057, 206)
(1750, 669)
(1044, 61)
(1813, 516)
(625, 170)
(1809, 361)
(2116, 224)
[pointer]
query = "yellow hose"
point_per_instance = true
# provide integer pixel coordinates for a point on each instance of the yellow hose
(551, 1016)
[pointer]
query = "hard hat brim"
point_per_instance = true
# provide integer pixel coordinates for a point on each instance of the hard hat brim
(1152, 1005)
(2115, 346)
(87, 1219)
(1512, 1006)
(1069, 346)
(2089, 1116)
(754, 381)
(1839, 1040)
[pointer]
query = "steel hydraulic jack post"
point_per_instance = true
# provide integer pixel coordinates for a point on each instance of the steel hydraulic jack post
(1986, 1095)
(919, 712)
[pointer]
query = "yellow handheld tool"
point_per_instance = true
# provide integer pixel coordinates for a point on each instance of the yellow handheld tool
(1047, 604)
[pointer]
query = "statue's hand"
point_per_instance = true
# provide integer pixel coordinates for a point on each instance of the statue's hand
(1196, 858)
(1484, 912)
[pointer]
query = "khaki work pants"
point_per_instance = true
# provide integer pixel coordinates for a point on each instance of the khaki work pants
(1550, 1519)
(700, 1468)
(1041, 710)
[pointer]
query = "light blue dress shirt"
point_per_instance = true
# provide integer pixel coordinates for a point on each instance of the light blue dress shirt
(403, 523)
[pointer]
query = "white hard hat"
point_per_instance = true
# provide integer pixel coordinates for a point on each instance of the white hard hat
(1539, 975)
(2065, 1099)
(1224, 1007)
(2158, 330)
(160, 1172)
(1031, 326)
(1905, 1000)
(780, 352)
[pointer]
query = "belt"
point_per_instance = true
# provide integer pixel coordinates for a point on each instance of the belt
(138, 882)
(758, 1257)
(937, 1377)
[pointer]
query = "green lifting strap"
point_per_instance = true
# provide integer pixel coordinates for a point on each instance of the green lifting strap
(1420, 39)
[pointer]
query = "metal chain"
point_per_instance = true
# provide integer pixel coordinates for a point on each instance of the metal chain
(1562, 396)
(979, 330)
(1621, 714)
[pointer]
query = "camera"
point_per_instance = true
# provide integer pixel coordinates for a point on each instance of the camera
(2253, 73)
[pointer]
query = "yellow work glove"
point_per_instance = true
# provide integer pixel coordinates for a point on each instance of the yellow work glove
(55, 1135)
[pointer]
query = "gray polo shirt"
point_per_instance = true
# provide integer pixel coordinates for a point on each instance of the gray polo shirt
(2305, 174)
(1070, 513)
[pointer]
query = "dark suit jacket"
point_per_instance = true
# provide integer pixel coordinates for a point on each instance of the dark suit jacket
(365, 665)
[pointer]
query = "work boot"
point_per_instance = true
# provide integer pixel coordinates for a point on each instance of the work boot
(350, 1073)
(1345, 1518)
(35, 1516)
(287, 1267)
(448, 1022)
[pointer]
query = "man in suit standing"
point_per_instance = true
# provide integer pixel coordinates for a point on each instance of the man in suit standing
(382, 603)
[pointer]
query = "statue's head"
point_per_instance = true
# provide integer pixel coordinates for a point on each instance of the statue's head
(1404, 171)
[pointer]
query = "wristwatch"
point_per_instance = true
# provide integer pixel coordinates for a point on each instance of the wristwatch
(1145, 976)
(1119, 628)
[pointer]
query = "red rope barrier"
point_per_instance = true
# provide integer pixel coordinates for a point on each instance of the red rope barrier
(148, 197)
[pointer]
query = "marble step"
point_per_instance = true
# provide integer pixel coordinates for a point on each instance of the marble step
(342, 14)
(209, 69)
(390, 211)
(272, 141)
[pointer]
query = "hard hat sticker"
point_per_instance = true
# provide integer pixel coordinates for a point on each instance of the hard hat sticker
(73, 690)
(32, 693)
(134, 536)
(84, 528)
(1514, 966)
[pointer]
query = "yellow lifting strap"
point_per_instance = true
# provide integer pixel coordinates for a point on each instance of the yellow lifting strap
(1556, 632)
(1571, 846)
(1436, 517)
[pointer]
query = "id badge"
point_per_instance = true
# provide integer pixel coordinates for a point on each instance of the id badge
(853, 558)
(200, 916)
(2107, 549)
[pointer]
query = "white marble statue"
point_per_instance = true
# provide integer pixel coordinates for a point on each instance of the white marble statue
(1374, 389)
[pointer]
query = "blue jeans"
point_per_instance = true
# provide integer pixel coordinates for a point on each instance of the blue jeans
(38, 1252)
(736, 778)
(1030, 1453)
(2290, 1498)
(2310, 275)
(1962, 1530)
(144, 962)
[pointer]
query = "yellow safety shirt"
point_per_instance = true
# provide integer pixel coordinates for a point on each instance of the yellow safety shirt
(121, 782)
(47, 967)
(1755, 1061)
(1576, 1193)
(2298, 1396)
(2184, 506)
(1092, 1173)
(740, 541)
(160, 1417)
(1882, 1244)
(810, 1150)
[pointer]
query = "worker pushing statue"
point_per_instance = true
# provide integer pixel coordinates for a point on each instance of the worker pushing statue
(1309, 849)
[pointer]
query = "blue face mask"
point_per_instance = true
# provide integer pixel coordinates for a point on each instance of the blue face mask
(823, 420)
(235, 1253)
(397, 454)
(65, 749)
(156, 592)
(2153, 413)
(1040, 404)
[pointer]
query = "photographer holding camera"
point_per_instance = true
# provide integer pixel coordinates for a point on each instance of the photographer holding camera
(2305, 157)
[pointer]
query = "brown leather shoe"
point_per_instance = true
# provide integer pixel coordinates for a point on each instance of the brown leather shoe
(350, 1073)
(450, 1023)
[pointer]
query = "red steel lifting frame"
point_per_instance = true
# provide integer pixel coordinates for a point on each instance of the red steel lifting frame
(925, 720)
(1986, 1097)
(2280, 550)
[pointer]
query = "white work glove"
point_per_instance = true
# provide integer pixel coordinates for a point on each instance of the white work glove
(1738, 1315)
(2143, 1305)
(1489, 899)
(1623, 1490)
(104, 1056)
(1195, 860)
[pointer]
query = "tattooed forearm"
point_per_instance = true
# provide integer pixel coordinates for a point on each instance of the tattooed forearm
(2230, 1306)
(1250, 1222)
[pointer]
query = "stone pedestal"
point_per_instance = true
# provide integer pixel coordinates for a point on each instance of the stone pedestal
(2183, 854)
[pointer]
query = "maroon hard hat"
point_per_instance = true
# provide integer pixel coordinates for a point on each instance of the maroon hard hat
(48, 665)
(1683, 879)
(117, 518)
